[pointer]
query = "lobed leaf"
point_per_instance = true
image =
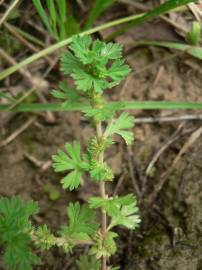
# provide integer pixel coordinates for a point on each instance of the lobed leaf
(70, 161)
(88, 262)
(117, 126)
(82, 224)
(123, 210)
(66, 93)
(15, 228)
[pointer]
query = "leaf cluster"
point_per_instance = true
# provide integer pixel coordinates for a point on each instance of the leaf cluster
(15, 229)
(94, 65)
(88, 262)
(104, 246)
(56, 19)
(81, 228)
(122, 210)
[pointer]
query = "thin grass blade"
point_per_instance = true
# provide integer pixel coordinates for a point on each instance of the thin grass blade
(42, 14)
(195, 51)
(137, 105)
(161, 9)
(98, 8)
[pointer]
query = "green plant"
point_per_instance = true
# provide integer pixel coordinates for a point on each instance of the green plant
(95, 67)
(136, 19)
(57, 21)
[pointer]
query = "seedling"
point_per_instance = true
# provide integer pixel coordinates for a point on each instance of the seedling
(95, 67)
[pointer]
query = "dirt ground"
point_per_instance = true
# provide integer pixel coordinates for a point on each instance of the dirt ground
(170, 235)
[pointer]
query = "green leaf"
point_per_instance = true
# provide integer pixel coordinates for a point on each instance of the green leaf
(72, 180)
(100, 172)
(89, 67)
(88, 262)
(127, 217)
(111, 205)
(69, 63)
(15, 228)
(123, 210)
(82, 224)
(86, 81)
(104, 247)
(117, 126)
(80, 47)
(72, 26)
(66, 93)
(44, 239)
(70, 161)
(111, 50)
(100, 114)
(194, 36)
(118, 71)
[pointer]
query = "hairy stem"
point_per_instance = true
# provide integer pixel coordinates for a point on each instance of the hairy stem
(103, 195)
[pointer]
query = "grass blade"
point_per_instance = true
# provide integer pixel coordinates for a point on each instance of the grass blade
(53, 15)
(62, 18)
(98, 8)
(129, 105)
(195, 51)
(6, 96)
(26, 35)
(161, 9)
(42, 14)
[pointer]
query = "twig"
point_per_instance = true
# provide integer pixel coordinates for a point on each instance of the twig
(163, 119)
(120, 181)
(82, 5)
(35, 82)
(131, 170)
(18, 132)
(171, 140)
(165, 59)
(103, 195)
(8, 11)
(196, 11)
(38, 163)
(24, 41)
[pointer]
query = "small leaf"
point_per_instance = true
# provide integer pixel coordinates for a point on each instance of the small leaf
(66, 93)
(69, 63)
(116, 126)
(118, 71)
(44, 239)
(104, 247)
(100, 172)
(194, 36)
(70, 161)
(123, 210)
(72, 180)
(88, 263)
(80, 47)
(82, 224)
